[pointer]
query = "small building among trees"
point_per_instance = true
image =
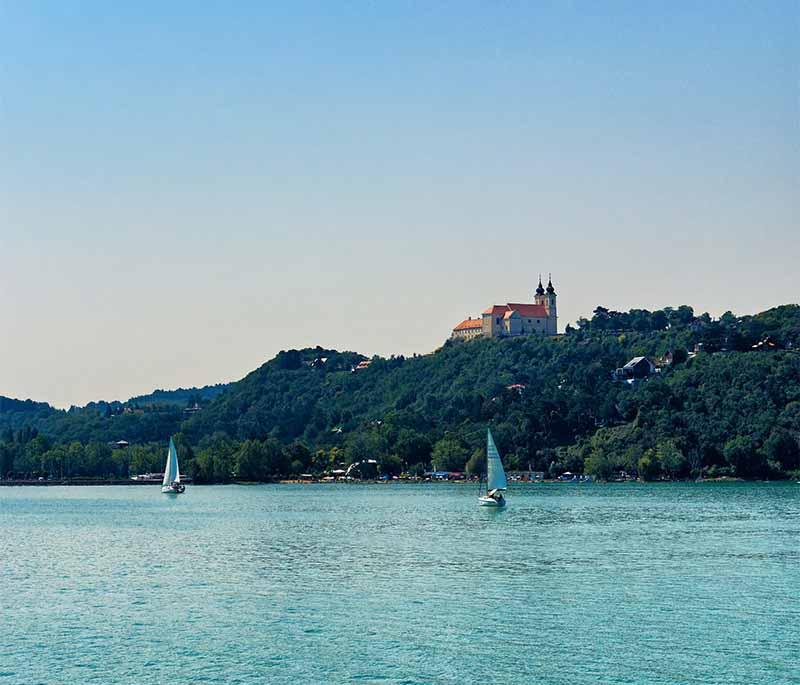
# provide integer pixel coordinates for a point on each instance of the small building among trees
(636, 369)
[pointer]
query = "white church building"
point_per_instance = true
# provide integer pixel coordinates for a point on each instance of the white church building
(512, 319)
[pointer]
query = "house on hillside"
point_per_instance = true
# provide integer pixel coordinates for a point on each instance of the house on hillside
(674, 357)
(636, 369)
(767, 343)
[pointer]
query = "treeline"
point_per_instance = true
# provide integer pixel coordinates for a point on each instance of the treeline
(180, 397)
(641, 320)
(724, 405)
(26, 454)
(728, 333)
(139, 420)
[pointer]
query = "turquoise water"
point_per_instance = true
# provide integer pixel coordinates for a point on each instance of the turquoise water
(628, 583)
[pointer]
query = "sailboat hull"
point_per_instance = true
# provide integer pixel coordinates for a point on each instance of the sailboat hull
(170, 491)
(491, 502)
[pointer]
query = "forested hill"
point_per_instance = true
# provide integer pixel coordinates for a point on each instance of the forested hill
(143, 418)
(182, 397)
(18, 413)
(725, 401)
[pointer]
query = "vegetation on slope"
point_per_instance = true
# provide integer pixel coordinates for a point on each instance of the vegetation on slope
(180, 397)
(553, 405)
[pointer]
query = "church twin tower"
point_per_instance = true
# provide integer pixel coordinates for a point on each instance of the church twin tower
(514, 318)
(547, 298)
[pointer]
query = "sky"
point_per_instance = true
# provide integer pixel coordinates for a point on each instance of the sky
(187, 188)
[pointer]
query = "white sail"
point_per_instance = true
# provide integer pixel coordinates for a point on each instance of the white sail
(171, 471)
(495, 475)
(177, 477)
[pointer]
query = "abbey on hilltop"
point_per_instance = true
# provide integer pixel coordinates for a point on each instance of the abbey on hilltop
(513, 319)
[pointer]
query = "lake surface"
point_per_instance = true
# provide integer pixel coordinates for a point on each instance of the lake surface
(625, 583)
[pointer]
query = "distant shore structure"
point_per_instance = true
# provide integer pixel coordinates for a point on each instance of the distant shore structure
(514, 318)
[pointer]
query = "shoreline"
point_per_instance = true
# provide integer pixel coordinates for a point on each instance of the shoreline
(77, 482)
(289, 481)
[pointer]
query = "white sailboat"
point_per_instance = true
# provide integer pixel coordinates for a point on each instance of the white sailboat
(171, 485)
(496, 482)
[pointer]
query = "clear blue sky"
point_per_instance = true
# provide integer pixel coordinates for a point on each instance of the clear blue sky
(186, 190)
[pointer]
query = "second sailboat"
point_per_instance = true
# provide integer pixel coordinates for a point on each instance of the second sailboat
(496, 483)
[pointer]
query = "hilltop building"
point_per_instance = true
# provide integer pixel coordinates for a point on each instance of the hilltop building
(513, 319)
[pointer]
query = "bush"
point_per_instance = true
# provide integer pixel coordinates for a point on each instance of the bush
(747, 462)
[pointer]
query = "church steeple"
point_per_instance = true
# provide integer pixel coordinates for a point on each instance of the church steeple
(540, 289)
(549, 301)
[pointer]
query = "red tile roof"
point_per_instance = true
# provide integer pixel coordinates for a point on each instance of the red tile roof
(469, 324)
(496, 309)
(529, 309)
(533, 310)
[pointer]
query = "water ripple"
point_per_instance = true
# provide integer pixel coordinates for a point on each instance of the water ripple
(630, 583)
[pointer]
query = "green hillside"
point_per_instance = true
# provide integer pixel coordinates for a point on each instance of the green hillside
(19, 413)
(730, 408)
(181, 397)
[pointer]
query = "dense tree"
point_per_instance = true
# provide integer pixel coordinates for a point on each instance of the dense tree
(553, 405)
(391, 465)
(671, 460)
(299, 458)
(782, 449)
(413, 447)
(450, 454)
(741, 453)
(366, 445)
(648, 466)
(251, 461)
(477, 463)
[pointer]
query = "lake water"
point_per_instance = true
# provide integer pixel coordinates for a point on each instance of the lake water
(627, 583)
